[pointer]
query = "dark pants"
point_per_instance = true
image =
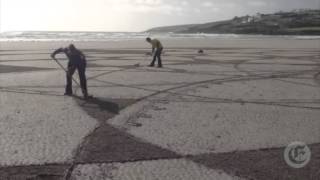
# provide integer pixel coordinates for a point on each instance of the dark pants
(83, 81)
(157, 54)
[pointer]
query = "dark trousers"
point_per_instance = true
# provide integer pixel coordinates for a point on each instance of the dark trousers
(82, 76)
(157, 55)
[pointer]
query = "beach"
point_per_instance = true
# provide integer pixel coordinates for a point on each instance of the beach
(225, 114)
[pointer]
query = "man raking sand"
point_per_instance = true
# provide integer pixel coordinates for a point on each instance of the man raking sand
(156, 51)
(77, 61)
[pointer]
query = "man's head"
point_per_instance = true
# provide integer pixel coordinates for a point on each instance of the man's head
(72, 48)
(148, 39)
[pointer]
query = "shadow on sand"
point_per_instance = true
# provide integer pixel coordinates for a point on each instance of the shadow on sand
(108, 144)
(95, 106)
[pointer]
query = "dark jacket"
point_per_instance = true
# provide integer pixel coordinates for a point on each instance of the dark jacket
(76, 57)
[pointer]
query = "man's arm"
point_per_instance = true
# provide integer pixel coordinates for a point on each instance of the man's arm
(153, 49)
(60, 50)
(153, 46)
(83, 57)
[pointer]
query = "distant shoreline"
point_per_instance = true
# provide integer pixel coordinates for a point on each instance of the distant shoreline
(299, 22)
(43, 36)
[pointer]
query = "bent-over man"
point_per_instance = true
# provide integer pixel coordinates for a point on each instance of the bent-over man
(156, 51)
(77, 61)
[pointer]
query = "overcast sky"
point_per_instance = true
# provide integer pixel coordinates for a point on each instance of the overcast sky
(130, 15)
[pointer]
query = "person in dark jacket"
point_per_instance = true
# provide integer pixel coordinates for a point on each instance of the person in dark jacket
(77, 61)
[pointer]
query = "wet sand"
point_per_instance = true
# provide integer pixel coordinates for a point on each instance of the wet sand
(225, 114)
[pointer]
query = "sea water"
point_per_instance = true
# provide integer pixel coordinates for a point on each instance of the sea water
(119, 36)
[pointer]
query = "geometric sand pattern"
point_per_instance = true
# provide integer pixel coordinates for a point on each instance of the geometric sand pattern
(225, 114)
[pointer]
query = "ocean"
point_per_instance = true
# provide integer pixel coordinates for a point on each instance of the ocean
(120, 36)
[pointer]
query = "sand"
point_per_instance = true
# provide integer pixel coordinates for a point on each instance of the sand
(242, 98)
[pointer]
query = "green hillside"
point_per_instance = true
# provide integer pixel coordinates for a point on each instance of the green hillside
(298, 22)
